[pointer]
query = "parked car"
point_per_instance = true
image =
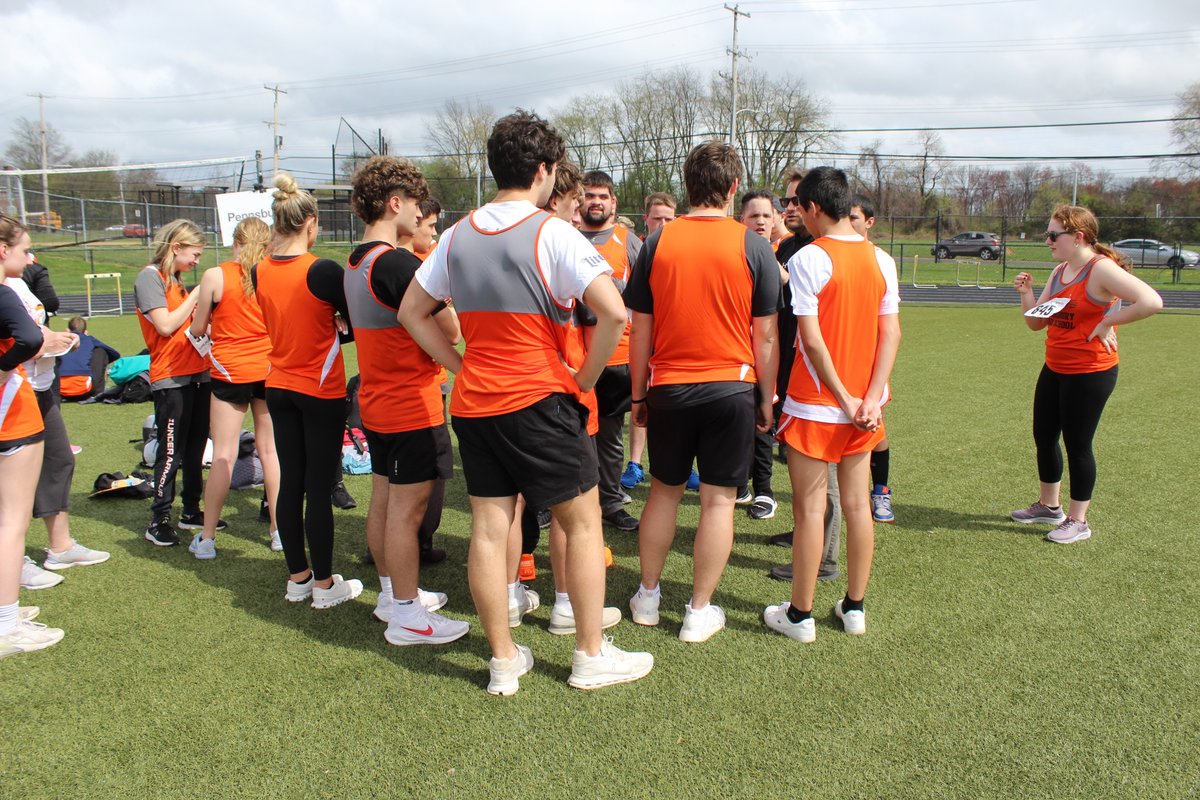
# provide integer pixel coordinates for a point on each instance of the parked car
(1153, 253)
(969, 243)
(115, 228)
(134, 231)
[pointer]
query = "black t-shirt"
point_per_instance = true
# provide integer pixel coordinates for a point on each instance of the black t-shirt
(392, 274)
(16, 324)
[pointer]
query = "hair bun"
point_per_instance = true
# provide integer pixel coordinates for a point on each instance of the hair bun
(286, 185)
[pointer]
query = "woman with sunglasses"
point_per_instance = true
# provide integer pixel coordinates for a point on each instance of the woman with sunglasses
(1081, 308)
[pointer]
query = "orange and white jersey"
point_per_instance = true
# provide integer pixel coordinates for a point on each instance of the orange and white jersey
(170, 356)
(240, 342)
(1068, 350)
(847, 283)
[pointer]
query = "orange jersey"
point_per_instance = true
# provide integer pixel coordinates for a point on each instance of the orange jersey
(576, 353)
(1067, 349)
(20, 416)
(401, 384)
(703, 293)
(74, 385)
(848, 309)
(240, 343)
(170, 356)
(306, 355)
(616, 253)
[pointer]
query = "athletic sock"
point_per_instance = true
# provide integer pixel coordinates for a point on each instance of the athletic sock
(879, 467)
(385, 586)
(796, 616)
(512, 592)
(655, 592)
(405, 609)
(562, 600)
(8, 618)
(852, 605)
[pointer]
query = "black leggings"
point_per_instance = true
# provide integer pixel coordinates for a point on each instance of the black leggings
(58, 462)
(308, 438)
(1069, 406)
(181, 415)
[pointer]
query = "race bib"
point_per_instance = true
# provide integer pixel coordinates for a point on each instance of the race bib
(1049, 308)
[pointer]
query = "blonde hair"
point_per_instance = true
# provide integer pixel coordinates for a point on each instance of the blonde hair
(251, 236)
(10, 230)
(292, 207)
(1078, 219)
(181, 232)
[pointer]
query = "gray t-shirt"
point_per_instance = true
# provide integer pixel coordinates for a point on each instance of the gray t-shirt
(149, 293)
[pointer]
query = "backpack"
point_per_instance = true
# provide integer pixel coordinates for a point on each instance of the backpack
(124, 369)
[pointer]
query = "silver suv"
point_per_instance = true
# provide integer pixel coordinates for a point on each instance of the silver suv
(1153, 253)
(969, 243)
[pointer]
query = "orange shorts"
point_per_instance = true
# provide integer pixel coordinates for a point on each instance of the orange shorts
(826, 441)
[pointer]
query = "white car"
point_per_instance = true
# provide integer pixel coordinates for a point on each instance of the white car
(1153, 253)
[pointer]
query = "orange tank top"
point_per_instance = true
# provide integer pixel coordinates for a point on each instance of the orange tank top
(306, 355)
(170, 356)
(848, 313)
(1067, 349)
(240, 343)
(617, 256)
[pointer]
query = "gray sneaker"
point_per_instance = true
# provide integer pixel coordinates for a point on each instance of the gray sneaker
(1039, 512)
(34, 577)
(1070, 531)
(74, 556)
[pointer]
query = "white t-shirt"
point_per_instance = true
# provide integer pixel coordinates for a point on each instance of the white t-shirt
(40, 371)
(569, 261)
(811, 268)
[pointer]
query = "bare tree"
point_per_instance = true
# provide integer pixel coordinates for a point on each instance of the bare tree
(876, 174)
(459, 133)
(25, 147)
(586, 124)
(1186, 132)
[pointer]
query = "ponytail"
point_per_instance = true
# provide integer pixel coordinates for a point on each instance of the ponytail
(251, 236)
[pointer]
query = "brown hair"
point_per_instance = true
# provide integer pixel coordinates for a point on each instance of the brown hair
(251, 236)
(516, 146)
(1078, 219)
(793, 173)
(660, 199)
(568, 180)
(77, 325)
(292, 207)
(11, 230)
(181, 232)
(381, 177)
(709, 172)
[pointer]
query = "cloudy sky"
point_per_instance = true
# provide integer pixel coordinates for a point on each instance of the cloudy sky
(168, 81)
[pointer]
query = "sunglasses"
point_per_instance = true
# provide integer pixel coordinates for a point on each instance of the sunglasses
(793, 200)
(1052, 236)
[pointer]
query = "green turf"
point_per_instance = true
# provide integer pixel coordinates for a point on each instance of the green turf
(996, 664)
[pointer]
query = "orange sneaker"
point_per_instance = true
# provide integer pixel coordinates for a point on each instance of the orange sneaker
(608, 561)
(528, 571)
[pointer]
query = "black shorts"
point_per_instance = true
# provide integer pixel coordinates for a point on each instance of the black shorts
(613, 391)
(239, 394)
(718, 434)
(7, 448)
(542, 451)
(412, 456)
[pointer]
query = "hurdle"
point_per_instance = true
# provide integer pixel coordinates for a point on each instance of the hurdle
(978, 284)
(916, 262)
(92, 276)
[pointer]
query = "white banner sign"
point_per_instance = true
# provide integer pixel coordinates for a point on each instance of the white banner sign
(234, 207)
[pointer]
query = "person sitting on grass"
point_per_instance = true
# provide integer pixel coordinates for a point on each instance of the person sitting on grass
(82, 372)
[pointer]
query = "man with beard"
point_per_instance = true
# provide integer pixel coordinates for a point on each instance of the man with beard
(620, 249)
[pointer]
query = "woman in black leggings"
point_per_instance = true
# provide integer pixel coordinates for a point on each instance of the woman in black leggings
(1081, 308)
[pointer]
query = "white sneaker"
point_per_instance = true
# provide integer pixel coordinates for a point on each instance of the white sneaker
(34, 577)
(562, 619)
(643, 606)
(424, 627)
(527, 600)
(611, 666)
(700, 625)
(777, 620)
(27, 637)
(299, 592)
(276, 542)
(853, 622)
(74, 556)
(505, 673)
(432, 601)
(28, 613)
(339, 592)
(203, 549)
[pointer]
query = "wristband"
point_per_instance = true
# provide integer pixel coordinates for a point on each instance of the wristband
(635, 402)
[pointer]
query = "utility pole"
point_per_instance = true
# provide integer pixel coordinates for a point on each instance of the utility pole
(45, 178)
(734, 55)
(275, 124)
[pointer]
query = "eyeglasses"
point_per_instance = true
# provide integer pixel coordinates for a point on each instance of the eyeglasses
(793, 200)
(1052, 236)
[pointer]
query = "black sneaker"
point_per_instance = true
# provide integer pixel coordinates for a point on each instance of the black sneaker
(432, 555)
(782, 540)
(621, 520)
(195, 521)
(342, 498)
(161, 533)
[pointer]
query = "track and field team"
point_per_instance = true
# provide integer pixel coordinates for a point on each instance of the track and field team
(721, 337)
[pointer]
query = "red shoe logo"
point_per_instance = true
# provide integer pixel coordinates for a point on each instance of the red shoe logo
(427, 632)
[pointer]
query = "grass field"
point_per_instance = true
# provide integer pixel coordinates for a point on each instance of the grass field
(995, 665)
